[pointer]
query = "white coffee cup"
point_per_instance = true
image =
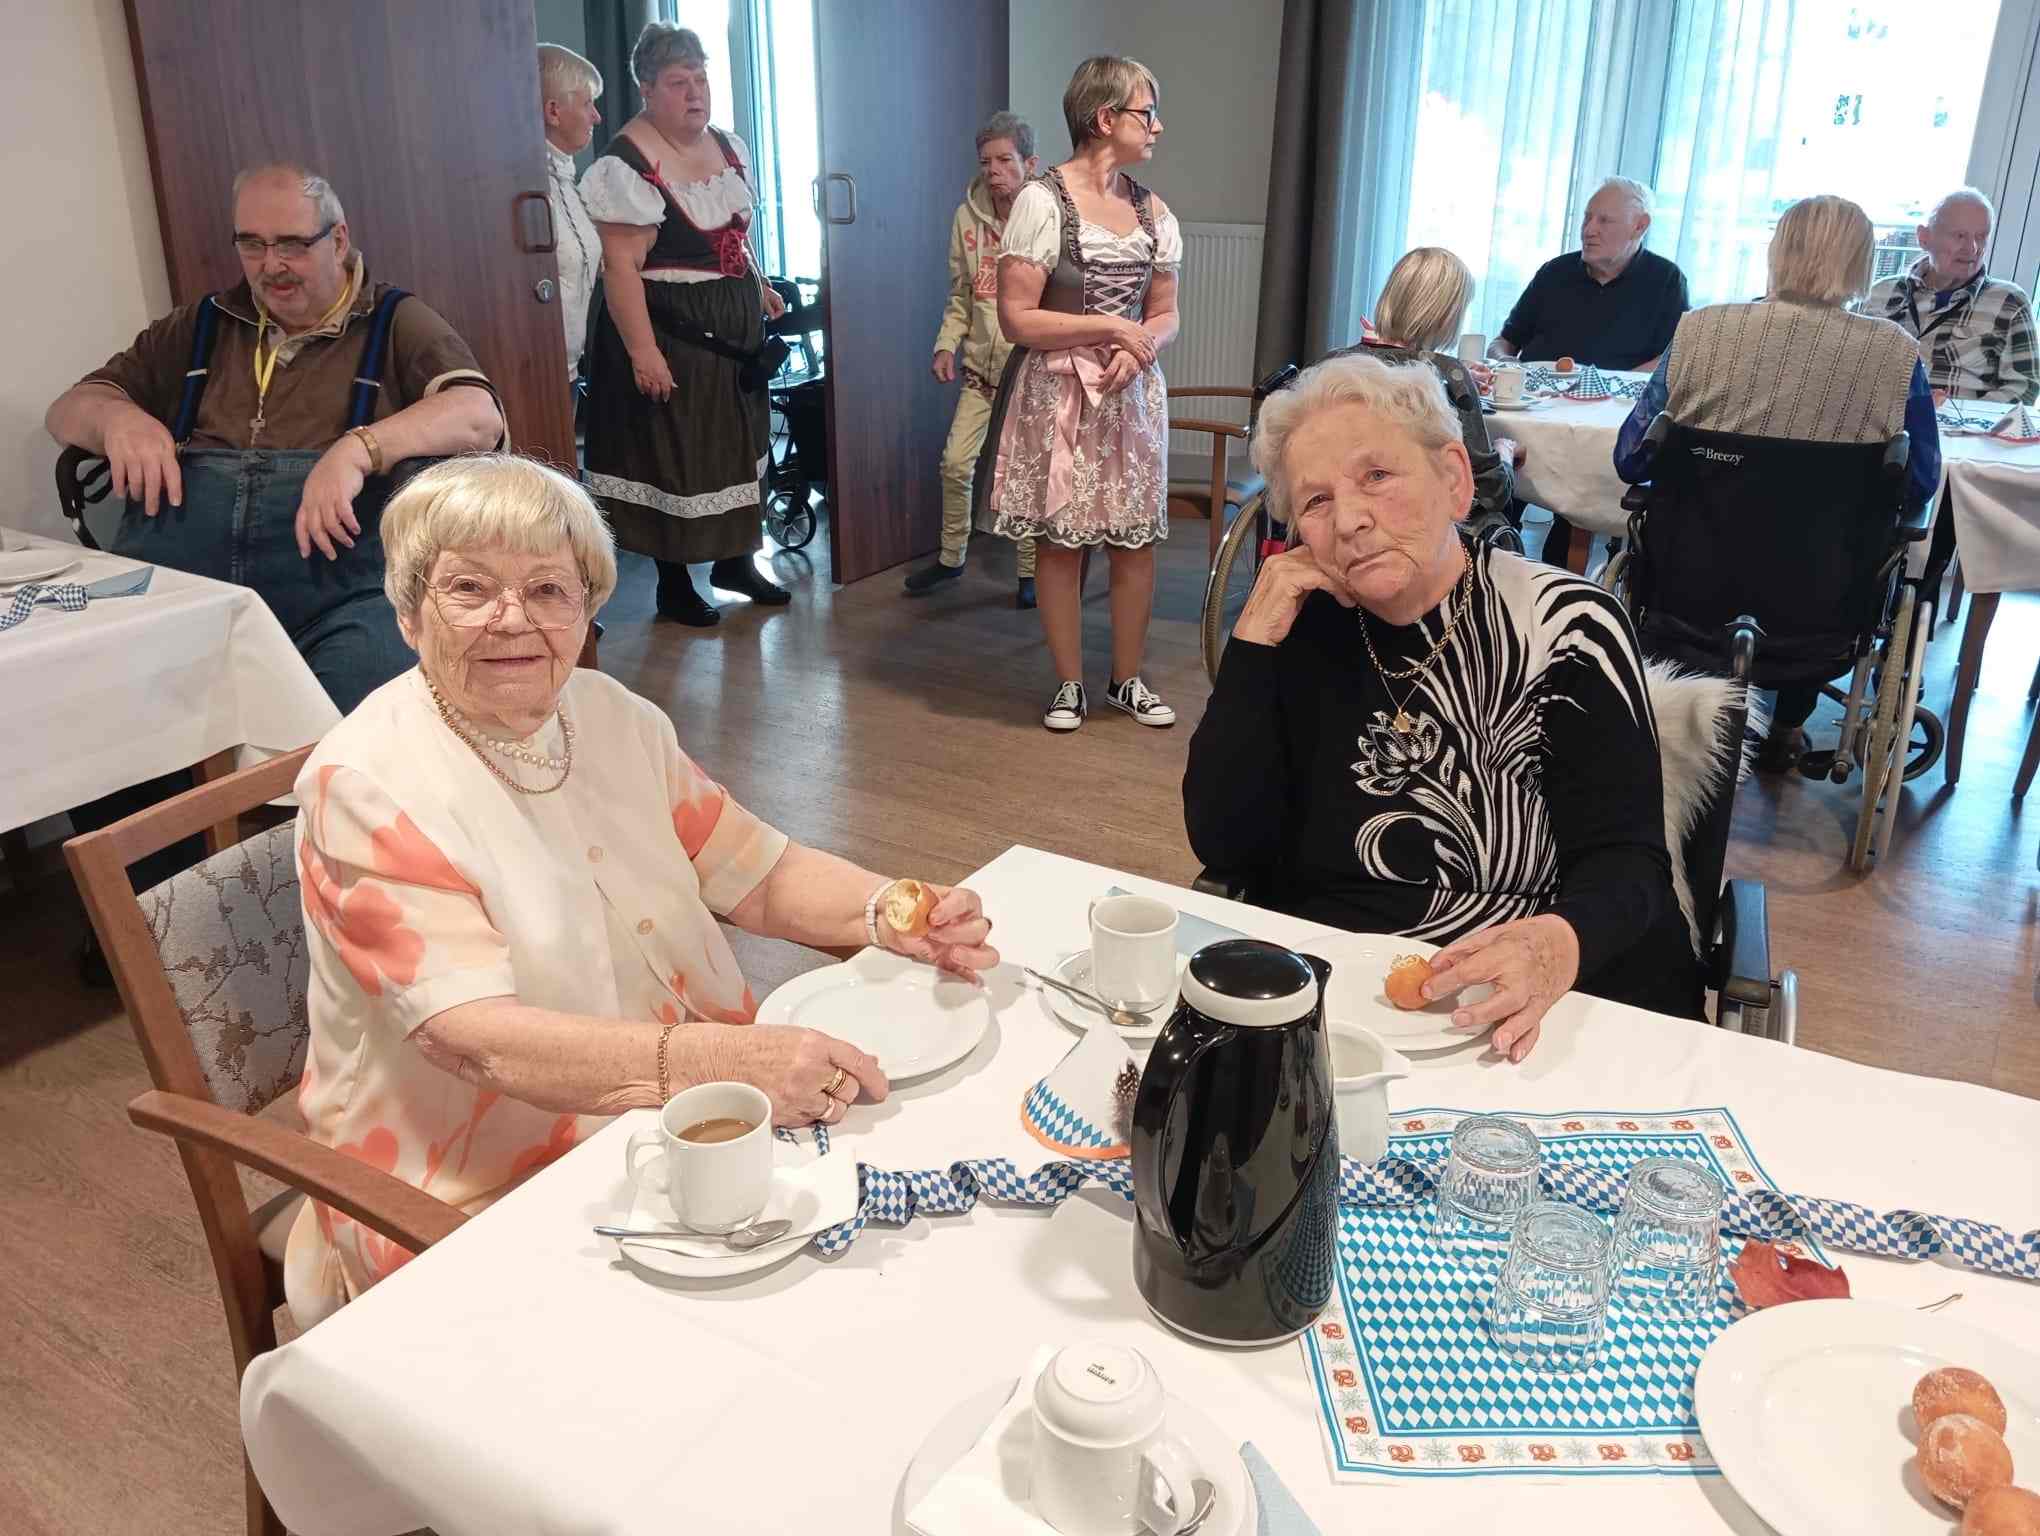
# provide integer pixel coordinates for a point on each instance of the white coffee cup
(1102, 1463)
(1473, 348)
(1363, 1065)
(713, 1186)
(1133, 951)
(1508, 385)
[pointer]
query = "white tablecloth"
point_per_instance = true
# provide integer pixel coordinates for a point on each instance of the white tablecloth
(1570, 468)
(134, 687)
(519, 1378)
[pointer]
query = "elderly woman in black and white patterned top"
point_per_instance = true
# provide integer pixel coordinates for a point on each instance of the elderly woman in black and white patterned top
(1413, 735)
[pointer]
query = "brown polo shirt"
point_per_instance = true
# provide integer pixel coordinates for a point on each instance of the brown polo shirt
(309, 392)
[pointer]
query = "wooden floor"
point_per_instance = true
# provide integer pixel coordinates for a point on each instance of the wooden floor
(906, 735)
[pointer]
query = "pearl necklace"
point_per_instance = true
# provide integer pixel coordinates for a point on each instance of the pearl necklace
(477, 740)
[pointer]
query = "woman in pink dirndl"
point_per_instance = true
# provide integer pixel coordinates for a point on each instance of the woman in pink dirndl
(1079, 436)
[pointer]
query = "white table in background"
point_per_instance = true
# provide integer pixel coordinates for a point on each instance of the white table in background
(135, 687)
(520, 1378)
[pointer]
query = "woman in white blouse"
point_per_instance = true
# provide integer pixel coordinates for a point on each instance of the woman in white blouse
(1078, 444)
(676, 444)
(511, 875)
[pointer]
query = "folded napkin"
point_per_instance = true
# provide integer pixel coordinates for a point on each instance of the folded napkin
(814, 1193)
(985, 1493)
(1083, 1108)
(2018, 425)
(1281, 1515)
(1593, 385)
(1192, 932)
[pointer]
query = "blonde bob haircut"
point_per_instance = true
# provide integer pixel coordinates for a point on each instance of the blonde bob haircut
(563, 72)
(1424, 300)
(1822, 252)
(1104, 80)
(1408, 396)
(493, 501)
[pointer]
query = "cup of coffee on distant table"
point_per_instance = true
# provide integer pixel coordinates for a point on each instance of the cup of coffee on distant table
(1103, 1462)
(1133, 951)
(716, 1167)
(1508, 387)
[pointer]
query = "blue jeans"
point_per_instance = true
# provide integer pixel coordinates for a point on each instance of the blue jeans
(239, 524)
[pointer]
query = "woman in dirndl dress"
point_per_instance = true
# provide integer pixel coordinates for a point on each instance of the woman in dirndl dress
(1078, 441)
(676, 444)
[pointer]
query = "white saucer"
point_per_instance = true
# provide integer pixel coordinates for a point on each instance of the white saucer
(912, 1017)
(1359, 962)
(18, 566)
(1075, 968)
(1527, 403)
(1236, 1513)
(649, 1210)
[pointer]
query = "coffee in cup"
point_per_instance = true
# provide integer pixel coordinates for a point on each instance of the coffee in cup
(716, 1167)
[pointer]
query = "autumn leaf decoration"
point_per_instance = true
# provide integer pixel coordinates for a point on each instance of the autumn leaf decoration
(1767, 1277)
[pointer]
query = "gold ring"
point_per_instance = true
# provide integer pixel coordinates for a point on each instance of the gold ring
(829, 1088)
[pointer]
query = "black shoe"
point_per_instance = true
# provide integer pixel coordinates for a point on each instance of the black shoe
(930, 576)
(92, 967)
(1782, 751)
(741, 575)
(681, 602)
(1024, 598)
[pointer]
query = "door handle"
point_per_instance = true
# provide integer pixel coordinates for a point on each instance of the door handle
(551, 242)
(850, 185)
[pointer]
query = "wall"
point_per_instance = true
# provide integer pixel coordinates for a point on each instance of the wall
(1216, 62)
(81, 249)
(564, 22)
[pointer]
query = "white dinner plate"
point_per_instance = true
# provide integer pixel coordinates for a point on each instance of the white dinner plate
(1076, 970)
(1359, 963)
(1236, 1513)
(23, 565)
(912, 1017)
(1807, 1408)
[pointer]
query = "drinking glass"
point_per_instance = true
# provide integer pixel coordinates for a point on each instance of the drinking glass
(1490, 1179)
(1668, 1235)
(1550, 1305)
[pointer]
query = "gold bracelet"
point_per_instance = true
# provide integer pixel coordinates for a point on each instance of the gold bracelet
(375, 458)
(665, 1084)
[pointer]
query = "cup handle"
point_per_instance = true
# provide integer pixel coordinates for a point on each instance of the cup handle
(650, 1136)
(1167, 1461)
(1090, 913)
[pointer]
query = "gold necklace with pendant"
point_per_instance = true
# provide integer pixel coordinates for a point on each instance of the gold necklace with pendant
(1403, 721)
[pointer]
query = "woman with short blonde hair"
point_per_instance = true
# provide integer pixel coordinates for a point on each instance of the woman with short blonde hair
(511, 876)
(568, 86)
(1797, 364)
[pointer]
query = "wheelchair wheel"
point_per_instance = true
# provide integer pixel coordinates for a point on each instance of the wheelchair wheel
(790, 515)
(1240, 539)
(1884, 750)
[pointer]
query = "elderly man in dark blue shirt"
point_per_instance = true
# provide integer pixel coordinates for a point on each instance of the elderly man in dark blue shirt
(1610, 303)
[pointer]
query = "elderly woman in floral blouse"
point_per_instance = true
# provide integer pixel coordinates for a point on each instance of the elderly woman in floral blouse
(512, 875)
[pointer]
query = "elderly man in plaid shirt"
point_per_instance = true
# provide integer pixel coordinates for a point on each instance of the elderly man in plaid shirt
(1975, 331)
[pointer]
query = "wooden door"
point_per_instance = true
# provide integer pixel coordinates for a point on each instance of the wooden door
(424, 118)
(903, 86)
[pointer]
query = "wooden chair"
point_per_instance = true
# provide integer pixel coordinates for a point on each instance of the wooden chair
(2030, 763)
(212, 968)
(1223, 490)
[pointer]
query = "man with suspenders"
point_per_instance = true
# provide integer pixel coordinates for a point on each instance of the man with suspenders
(251, 433)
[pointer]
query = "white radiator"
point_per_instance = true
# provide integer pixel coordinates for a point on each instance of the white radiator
(1219, 297)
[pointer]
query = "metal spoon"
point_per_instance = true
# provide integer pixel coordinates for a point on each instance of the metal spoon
(743, 1239)
(1207, 1501)
(1124, 1018)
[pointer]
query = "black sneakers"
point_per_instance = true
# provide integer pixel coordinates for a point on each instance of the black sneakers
(931, 576)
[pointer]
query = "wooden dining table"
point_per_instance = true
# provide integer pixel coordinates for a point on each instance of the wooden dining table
(522, 1377)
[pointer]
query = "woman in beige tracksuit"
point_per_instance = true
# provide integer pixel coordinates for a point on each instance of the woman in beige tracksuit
(970, 343)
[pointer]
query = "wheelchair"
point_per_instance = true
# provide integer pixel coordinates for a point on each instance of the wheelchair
(799, 458)
(1804, 546)
(1255, 534)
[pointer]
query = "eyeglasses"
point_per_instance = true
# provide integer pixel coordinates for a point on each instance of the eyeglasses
(1150, 115)
(469, 602)
(290, 247)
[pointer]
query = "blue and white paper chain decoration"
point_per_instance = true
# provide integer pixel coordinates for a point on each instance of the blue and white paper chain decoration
(896, 1198)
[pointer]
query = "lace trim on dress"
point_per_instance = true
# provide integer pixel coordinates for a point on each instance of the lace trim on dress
(706, 504)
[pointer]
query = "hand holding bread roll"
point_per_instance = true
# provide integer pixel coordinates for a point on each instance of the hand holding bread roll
(943, 925)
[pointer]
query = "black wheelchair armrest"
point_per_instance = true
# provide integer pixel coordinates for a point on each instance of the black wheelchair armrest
(1637, 497)
(1915, 523)
(83, 480)
(1741, 963)
(1215, 882)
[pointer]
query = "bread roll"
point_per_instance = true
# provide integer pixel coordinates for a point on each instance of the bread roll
(1405, 980)
(2002, 1511)
(1952, 1389)
(907, 905)
(1563, 365)
(1960, 1456)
